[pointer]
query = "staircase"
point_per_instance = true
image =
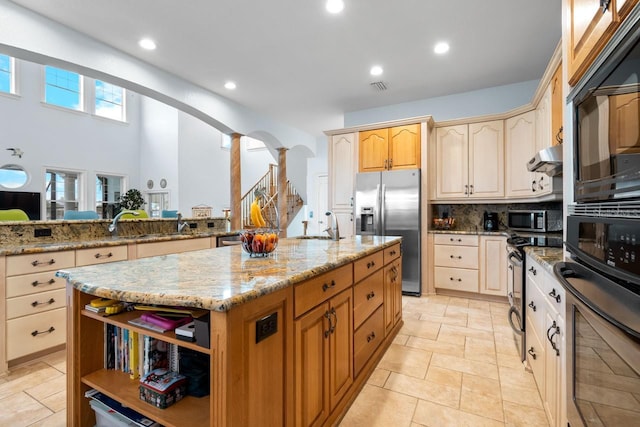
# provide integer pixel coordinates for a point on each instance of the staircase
(268, 185)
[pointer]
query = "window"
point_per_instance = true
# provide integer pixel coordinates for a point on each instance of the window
(109, 101)
(108, 190)
(63, 88)
(13, 176)
(7, 74)
(157, 202)
(61, 193)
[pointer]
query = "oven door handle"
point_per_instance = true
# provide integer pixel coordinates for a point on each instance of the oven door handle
(512, 311)
(514, 259)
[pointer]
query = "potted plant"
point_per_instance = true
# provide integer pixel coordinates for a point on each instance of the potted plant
(131, 200)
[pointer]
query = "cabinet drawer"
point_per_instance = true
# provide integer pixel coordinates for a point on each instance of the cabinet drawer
(100, 255)
(30, 334)
(145, 250)
(459, 279)
(33, 283)
(367, 296)
(455, 239)
(456, 256)
(391, 253)
(319, 289)
(367, 339)
(536, 362)
(554, 293)
(367, 265)
(36, 303)
(535, 316)
(33, 263)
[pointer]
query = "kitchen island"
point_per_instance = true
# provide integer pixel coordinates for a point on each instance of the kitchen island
(293, 336)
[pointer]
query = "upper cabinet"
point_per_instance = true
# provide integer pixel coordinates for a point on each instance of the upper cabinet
(557, 106)
(470, 161)
(520, 137)
(342, 151)
(390, 148)
(590, 25)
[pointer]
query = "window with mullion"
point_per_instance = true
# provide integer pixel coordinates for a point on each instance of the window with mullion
(109, 101)
(63, 88)
(6, 74)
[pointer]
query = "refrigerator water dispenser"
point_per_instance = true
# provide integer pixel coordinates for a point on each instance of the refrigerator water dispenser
(365, 221)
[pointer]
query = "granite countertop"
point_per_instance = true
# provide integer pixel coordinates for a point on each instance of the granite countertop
(221, 278)
(475, 232)
(18, 249)
(546, 257)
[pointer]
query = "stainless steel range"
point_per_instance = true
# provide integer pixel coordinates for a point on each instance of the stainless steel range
(516, 261)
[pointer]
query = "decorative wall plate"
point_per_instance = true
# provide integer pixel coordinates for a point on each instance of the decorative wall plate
(163, 183)
(150, 184)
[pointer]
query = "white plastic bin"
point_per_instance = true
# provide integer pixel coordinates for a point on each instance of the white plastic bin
(106, 417)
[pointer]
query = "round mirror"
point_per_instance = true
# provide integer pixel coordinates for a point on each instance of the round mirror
(13, 176)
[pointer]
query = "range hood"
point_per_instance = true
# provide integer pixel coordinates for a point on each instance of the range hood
(547, 161)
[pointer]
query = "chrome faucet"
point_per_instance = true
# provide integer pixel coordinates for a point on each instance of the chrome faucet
(334, 232)
(113, 227)
(181, 224)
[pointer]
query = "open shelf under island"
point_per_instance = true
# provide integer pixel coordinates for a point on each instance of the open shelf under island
(333, 307)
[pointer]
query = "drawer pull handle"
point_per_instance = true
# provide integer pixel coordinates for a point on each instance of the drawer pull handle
(453, 240)
(332, 325)
(37, 263)
(553, 294)
(453, 256)
(48, 282)
(99, 255)
(392, 253)
(533, 306)
(556, 331)
(533, 271)
(532, 352)
(371, 295)
(371, 336)
(452, 279)
(48, 331)
(36, 303)
(371, 264)
(326, 287)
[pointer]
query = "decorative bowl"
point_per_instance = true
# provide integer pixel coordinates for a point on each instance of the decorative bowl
(259, 242)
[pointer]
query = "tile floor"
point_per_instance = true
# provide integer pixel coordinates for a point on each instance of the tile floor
(453, 364)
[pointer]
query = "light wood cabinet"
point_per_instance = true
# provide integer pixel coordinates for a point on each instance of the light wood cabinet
(520, 141)
(392, 288)
(342, 171)
(542, 183)
(493, 265)
(557, 107)
(624, 111)
(589, 27)
(390, 148)
(545, 338)
(470, 161)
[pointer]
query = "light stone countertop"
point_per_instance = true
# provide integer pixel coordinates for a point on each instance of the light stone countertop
(475, 232)
(547, 257)
(221, 278)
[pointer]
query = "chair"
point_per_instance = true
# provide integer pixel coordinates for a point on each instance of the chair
(169, 214)
(13, 215)
(141, 214)
(81, 215)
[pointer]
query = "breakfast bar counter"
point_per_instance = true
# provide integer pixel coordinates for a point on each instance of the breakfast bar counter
(293, 336)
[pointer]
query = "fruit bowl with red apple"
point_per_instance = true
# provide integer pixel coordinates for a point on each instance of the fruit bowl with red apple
(259, 242)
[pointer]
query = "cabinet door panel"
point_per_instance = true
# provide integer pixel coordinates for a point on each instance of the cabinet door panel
(493, 266)
(341, 347)
(374, 150)
(486, 159)
(342, 170)
(520, 148)
(404, 147)
(452, 165)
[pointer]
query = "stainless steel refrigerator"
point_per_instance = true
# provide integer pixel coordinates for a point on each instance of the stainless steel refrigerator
(388, 204)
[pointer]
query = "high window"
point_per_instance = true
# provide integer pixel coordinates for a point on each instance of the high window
(109, 101)
(62, 192)
(63, 88)
(7, 74)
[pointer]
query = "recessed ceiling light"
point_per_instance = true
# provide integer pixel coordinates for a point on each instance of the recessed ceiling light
(376, 70)
(230, 85)
(334, 6)
(441, 47)
(147, 44)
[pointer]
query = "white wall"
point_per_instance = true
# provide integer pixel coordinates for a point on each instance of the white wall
(59, 138)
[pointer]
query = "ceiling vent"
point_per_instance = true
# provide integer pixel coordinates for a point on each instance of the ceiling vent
(379, 86)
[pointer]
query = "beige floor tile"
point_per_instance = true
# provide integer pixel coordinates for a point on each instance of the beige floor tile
(452, 338)
(509, 360)
(523, 396)
(516, 377)
(401, 339)
(425, 390)
(58, 360)
(456, 310)
(56, 402)
(19, 380)
(481, 385)
(378, 377)
(482, 323)
(518, 415)
(24, 410)
(436, 346)
(420, 328)
(485, 405)
(459, 302)
(375, 406)
(48, 388)
(487, 370)
(460, 320)
(405, 360)
(59, 419)
(444, 376)
(480, 350)
(467, 332)
(434, 415)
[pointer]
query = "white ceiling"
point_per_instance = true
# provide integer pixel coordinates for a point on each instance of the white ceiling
(296, 63)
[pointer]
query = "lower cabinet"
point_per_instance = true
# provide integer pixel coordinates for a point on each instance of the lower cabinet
(493, 265)
(456, 262)
(392, 294)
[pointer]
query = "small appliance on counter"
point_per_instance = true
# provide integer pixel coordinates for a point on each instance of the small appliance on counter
(490, 221)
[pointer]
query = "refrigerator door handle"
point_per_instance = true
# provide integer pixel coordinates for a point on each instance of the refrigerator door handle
(376, 212)
(383, 208)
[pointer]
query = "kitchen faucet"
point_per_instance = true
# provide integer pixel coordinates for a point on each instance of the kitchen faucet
(113, 227)
(334, 232)
(181, 224)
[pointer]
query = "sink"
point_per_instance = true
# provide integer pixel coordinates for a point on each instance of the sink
(315, 238)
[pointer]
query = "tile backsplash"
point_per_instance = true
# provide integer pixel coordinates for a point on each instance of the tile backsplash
(470, 216)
